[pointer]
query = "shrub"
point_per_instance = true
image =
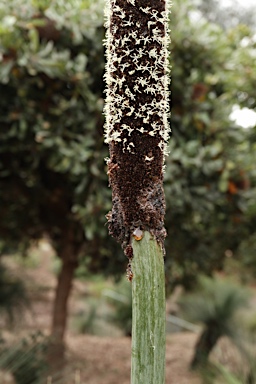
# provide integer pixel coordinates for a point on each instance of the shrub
(26, 359)
(214, 306)
(122, 303)
(13, 296)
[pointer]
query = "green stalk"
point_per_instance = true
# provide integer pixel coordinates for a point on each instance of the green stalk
(148, 303)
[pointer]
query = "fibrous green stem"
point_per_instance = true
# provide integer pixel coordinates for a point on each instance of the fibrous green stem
(148, 303)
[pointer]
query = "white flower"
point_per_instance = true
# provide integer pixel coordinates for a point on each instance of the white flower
(132, 109)
(147, 158)
(123, 66)
(146, 120)
(125, 40)
(142, 81)
(122, 14)
(134, 34)
(120, 81)
(142, 59)
(153, 53)
(151, 23)
(141, 52)
(129, 94)
(151, 89)
(142, 130)
(146, 40)
(132, 2)
(116, 136)
(138, 114)
(136, 88)
(145, 10)
(130, 146)
(127, 23)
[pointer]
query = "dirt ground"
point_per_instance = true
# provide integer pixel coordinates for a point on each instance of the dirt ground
(94, 359)
(107, 360)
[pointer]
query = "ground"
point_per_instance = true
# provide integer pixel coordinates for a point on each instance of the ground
(93, 359)
(107, 360)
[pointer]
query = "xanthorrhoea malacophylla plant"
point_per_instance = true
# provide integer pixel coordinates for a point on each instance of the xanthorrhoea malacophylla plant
(137, 131)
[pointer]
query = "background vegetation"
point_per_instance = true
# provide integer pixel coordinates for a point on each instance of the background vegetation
(53, 178)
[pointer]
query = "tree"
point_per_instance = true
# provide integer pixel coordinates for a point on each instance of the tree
(215, 306)
(206, 181)
(227, 15)
(52, 175)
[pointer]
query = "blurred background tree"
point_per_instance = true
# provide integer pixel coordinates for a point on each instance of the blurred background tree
(208, 176)
(13, 297)
(215, 305)
(52, 174)
(227, 14)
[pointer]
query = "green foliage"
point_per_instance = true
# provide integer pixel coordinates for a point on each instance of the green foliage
(85, 320)
(215, 301)
(122, 304)
(207, 175)
(13, 296)
(218, 374)
(26, 360)
(215, 305)
(251, 324)
(52, 173)
(227, 15)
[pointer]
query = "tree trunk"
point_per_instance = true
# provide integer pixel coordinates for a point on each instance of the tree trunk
(204, 346)
(60, 306)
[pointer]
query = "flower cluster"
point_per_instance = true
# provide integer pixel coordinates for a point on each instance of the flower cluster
(136, 111)
(136, 71)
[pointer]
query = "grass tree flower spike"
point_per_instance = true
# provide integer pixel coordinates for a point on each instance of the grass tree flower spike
(136, 113)
(137, 131)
